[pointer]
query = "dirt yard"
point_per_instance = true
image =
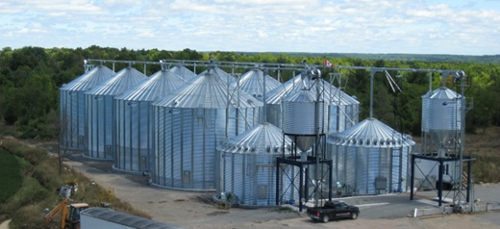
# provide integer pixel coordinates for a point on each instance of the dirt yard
(195, 210)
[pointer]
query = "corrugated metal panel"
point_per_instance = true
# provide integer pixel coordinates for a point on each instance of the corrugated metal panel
(72, 105)
(125, 219)
(252, 82)
(134, 120)
(101, 113)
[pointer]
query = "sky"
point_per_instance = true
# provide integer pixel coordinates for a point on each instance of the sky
(456, 27)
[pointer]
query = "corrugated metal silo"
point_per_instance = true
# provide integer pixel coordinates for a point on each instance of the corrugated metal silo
(100, 115)
(135, 129)
(371, 157)
(247, 166)
(72, 105)
(252, 82)
(191, 122)
(442, 116)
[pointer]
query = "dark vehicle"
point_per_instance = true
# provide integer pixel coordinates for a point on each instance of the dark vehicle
(333, 210)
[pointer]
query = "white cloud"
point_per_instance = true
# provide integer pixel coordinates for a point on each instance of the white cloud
(368, 26)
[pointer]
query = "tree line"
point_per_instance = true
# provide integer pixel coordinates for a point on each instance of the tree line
(30, 78)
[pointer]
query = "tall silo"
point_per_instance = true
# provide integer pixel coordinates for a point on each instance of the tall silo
(247, 166)
(72, 105)
(341, 112)
(191, 122)
(370, 157)
(135, 129)
(252, 82)
(183, 72)
(100, 115)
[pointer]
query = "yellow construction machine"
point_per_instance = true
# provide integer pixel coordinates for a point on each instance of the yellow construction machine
(70, 214)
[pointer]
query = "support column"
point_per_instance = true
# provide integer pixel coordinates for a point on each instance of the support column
(440, 188)
(412, 176)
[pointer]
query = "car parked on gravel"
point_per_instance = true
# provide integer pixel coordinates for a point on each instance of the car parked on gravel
(333, 210)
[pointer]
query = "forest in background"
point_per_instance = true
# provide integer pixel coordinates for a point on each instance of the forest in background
(30, 78)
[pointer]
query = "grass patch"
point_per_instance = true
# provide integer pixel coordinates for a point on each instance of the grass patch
(10, 175)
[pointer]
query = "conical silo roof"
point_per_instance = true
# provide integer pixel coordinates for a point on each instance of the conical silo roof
(121, 81)
(252, 82)
(371, 133)
(208, 90)
(156, 86)
(276, 95)
(183, 72)
(88, 80)
(443, 93)
(218, 72)
(261, 139)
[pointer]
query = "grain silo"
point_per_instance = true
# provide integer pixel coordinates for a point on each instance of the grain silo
(247, 166)
(135, 129)
(341, 111)
(72, 105)
(191, 122)
(370, 157)
(442, 117)
(252, 82)
(100, 115)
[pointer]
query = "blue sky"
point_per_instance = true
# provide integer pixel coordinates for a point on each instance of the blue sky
(341, 26)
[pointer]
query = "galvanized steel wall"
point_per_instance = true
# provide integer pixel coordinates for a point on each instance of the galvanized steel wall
(186, 140)
(72, 115)
(99, 126)
(252, 178)
(134, 135)
(441, 110)
(360, 166)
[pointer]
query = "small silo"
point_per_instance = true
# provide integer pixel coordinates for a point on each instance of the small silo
(72, 105)
(341, 110)
(191, 122)
(370, 157)
(183, 72)
(442, 117)
(252, 82)
(135, 129)
(247, 166)
(100, 115)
